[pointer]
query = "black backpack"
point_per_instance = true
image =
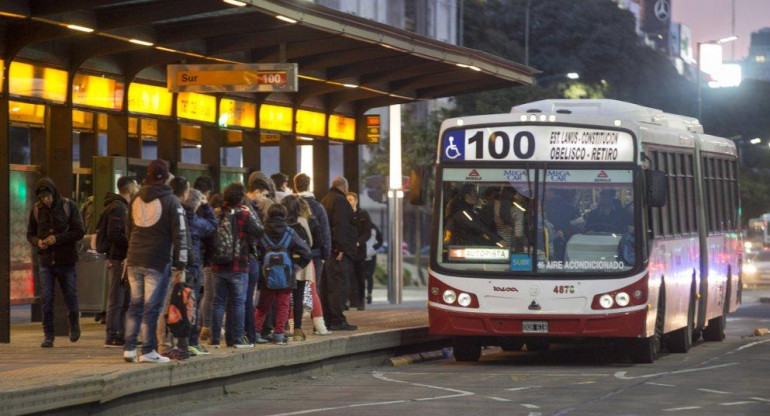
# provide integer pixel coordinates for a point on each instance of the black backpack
(226, 240)
(180, 317)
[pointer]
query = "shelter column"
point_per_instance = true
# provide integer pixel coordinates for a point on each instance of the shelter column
(288, 157)
(211, 147)
(350, 156)
(5, 219)
(168, 141)
(320, 167)
(251, 150)
(117, 135)
(58, 139)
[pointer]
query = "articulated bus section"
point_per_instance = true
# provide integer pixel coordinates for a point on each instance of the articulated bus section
(538, 242)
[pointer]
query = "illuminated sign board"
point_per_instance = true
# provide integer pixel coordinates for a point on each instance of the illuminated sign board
(233, 77)
(537, 143)
(234, 113)
(198, 107)
(39, 82)
(82, 120)
(342, 128)
(26, 113)
(97, 92)
(274, 117)
(147, 126)
(149, 99)
(373, 129)
(311, 122)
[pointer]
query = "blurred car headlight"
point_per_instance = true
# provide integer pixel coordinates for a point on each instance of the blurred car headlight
(749, 268)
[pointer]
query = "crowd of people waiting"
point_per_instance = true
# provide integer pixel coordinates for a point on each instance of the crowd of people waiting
(224, 248)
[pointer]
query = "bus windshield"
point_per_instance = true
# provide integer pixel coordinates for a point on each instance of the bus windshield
(554, 221)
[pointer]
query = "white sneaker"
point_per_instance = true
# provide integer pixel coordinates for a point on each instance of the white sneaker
(153, 357)
(129, 356)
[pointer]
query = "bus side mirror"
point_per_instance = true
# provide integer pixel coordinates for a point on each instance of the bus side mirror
(657, 189)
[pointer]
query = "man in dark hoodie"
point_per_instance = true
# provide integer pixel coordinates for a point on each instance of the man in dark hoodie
(115, 213)
(157, 235)
(54, 227)
(339, 268)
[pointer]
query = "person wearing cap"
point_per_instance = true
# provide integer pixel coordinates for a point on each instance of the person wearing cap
(54, 228)
(157, 245)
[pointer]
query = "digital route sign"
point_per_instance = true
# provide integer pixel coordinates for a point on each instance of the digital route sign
(233, 78)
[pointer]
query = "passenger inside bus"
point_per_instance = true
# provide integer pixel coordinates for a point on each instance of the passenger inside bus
(464, 226)
(609, 216)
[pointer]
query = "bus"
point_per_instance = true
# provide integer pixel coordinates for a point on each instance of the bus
(570, 220)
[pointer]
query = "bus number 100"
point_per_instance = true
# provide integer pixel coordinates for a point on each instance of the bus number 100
(523, 144)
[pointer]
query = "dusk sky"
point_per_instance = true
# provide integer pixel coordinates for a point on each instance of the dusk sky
(712, 19)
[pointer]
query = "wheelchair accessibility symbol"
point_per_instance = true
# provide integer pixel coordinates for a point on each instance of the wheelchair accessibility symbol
(452, 151)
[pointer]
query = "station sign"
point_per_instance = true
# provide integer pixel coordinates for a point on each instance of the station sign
(537, 143)
(232, 78)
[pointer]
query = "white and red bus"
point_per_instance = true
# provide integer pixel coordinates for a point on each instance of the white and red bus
(568, 220)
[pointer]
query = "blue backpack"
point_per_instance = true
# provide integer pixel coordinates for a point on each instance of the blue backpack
(277, 267)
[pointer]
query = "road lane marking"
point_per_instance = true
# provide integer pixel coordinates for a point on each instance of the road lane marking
(380, 376)
(326, 409)
(676, 409)
(760, 399)
(459, 393)
(585, 382)
(524, 388)
(735, 403)
(660, 384)
(529, 406)
(714, 391)
(535, 414)
(622, 374)
(499, 399)
(743, 347)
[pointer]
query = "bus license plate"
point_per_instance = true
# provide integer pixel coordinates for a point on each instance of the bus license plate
(537, 327)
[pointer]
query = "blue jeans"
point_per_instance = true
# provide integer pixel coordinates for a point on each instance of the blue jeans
(117, 301)
(148, 292)
(250, 308)
(229, 286)
(66, 275)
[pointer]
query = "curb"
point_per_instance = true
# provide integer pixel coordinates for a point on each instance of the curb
(101, 390)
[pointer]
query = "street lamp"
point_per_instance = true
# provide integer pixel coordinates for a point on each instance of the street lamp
(700, 60)
(541, 81)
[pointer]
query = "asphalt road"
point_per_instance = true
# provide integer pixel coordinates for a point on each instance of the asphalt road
(715, 378)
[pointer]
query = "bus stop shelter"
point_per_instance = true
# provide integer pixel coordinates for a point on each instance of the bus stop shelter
(347, 65)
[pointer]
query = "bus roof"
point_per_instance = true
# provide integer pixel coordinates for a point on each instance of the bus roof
(652, 126)
(612, 109)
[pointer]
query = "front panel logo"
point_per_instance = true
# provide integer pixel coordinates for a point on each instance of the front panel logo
(473, 175)
(505, 289)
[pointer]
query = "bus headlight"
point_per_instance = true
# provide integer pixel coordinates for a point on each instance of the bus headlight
(749, 268)
(622, 299)
(464, 299)
(449, 296)
(606, 301)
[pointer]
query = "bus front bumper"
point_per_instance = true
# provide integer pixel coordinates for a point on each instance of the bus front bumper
(609, 325)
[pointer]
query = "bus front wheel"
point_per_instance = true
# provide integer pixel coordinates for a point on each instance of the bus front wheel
(645, 350)
(466, 349)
